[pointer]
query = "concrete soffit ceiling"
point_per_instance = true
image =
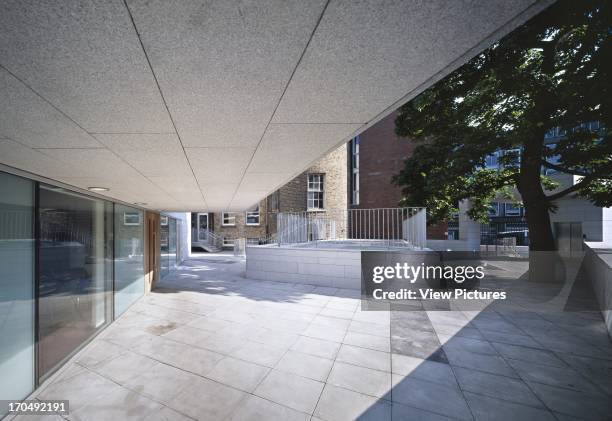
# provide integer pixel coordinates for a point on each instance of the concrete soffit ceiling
(208, 106)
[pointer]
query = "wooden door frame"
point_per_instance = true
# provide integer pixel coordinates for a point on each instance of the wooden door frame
(152, 250)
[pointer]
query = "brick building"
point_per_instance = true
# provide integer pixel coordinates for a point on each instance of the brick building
(373, 158)
(320, 189)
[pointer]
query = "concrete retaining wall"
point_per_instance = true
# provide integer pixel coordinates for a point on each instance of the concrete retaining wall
(324, 267)
(444, 245)
(598, 264)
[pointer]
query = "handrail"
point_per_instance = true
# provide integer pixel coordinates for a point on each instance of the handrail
(209, 237)
(395, 227)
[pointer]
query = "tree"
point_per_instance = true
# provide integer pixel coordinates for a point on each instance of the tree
(553, 72)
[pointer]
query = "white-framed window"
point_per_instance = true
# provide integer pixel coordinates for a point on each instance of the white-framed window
(494, 209)
(252, 216)
(228, 219)
(355, 171)
(131, 218)
(163, 220)
(510, 209)
(228, 242)
(315, 191)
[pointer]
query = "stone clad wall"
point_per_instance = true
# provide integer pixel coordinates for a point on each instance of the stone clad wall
(323, 267)
(598, 265)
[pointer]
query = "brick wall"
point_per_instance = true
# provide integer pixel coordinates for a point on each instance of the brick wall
(381, 156)
(334, 167)
(241, 229)
(293, 195)
(292, 198)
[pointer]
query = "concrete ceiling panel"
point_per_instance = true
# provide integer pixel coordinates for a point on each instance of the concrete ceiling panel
(219, 165)
(96, 163)
(18, 156)
(366, 55)
(30, 120)
(85, 58)
(218, 195)
(223, 66)
(111, 92)
(151, 154)
(290, 148)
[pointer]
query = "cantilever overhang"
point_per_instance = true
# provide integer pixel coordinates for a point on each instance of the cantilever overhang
(193, 105)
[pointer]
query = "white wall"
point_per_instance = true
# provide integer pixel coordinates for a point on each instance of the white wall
(598, 264)
(469, 230)
(324, 267)
(445, 245)
(596, 221)
(184, 234)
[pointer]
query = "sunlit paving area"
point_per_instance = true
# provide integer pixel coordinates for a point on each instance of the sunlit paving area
(209, 344)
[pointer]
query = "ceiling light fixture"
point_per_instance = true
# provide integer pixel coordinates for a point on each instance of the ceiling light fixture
(140, 203)
(97, 189)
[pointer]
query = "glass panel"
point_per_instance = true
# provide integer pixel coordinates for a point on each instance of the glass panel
(252, 216)
(163, 237)
(129, 257)
(203, 226)
(75, 272)
(16, 289)
(172, 243)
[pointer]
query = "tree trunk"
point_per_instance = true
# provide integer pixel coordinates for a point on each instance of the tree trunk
(545, 264)
(540, 231)
(534, 199)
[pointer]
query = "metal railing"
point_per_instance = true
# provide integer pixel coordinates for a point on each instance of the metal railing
(206, 237)
(387, 227)
(393, 227)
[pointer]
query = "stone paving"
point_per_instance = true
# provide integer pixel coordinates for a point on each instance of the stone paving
(208, 344)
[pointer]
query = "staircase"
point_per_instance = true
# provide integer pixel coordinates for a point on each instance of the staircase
(207, 240)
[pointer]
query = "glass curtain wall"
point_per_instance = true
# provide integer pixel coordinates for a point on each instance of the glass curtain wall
(164, 234)
(129, 257)
(62, 255)
(75, 272)
(17, 301)
(172, 243)
(169, 244)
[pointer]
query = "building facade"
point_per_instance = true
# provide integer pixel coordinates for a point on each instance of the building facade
(373, 158)
(321, 189)
(507, 216)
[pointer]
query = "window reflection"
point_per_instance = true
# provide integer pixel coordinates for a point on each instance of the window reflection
(75, 272)
(129, 257)
(16, 289)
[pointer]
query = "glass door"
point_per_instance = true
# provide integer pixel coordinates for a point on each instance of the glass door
(202, 226)
(16, 289)
(75, 272)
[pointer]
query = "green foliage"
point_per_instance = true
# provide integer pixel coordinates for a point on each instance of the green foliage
(555, 71)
